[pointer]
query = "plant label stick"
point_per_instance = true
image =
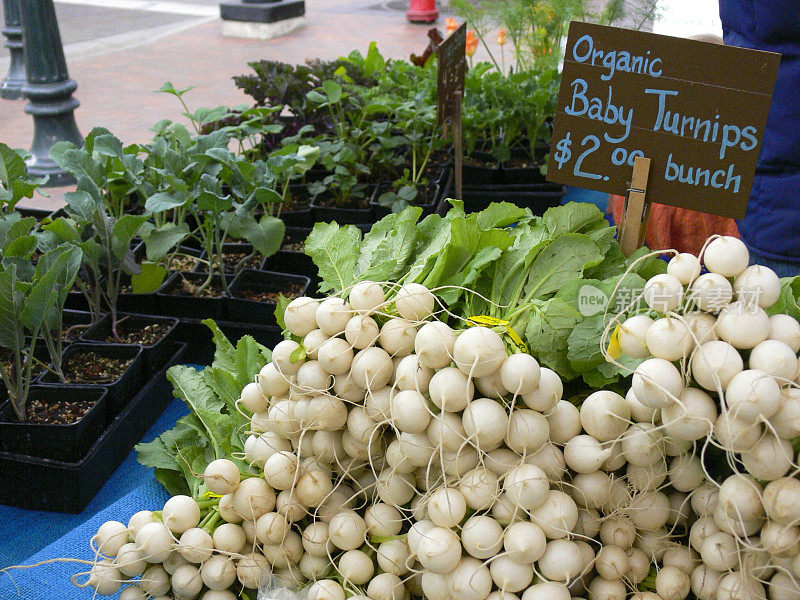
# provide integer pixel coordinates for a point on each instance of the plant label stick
(696, 109)
(450, 91)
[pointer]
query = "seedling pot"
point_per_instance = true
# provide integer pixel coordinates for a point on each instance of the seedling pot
(122, 389)
(344, 215)
(68, 486)
(153, 355)
(55, 441)
(169, 303)
(245, 310)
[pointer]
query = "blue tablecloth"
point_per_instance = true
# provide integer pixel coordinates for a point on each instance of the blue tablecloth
(31, 536)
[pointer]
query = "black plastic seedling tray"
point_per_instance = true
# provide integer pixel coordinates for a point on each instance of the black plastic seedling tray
(55, 441)
(68, 487)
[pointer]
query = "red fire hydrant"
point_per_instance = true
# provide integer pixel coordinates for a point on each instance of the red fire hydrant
(422, 11)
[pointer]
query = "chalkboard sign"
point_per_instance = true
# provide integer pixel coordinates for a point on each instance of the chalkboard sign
(696, 109)
(452, 54)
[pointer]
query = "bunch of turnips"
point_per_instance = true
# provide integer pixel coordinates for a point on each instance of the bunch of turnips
(396, 450)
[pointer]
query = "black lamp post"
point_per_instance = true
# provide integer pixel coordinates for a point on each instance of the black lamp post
(48, 89)
(11, 86)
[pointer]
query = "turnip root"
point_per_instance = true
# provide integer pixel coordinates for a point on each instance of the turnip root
(479, 351)
(366, 296)
(727, 256)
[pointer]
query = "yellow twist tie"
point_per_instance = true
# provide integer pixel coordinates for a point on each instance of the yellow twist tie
(211, 495)
(614, 348)
(492, 322)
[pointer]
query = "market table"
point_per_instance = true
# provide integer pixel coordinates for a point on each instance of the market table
(33, 536)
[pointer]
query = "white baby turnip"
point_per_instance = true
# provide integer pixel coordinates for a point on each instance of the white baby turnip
(282, 358)
(451, 390)
(218, 572)
(743, 325)
(414, 302)
(155, 581)
(110, 537)
(300, 315)
(366, 296)
(434, 344)
(528, 431)
(186, 582)
(759, 285)
(361, 331)
(672, 583)
(561, 561)
(663, 293)
(565, 422)
(643, 445)
(781, 500)
(604, 415)
(520, 374)
(727, 256)
(545, 397)
(372, 368)
(439, 550)
(397, 337)
(393, 557)
(312, 341)
(446, 507)
(557, 515)
(509, 575)
(786, 329)
(411, 375)
(526, 486)
(482, 536)
(685, 267)
(386, 586)
(471, 580)
(155, 542)
(769, 458)
(550, 459)
(714, 364)
(753, 395)
(181, 513)
(546, 590)
(775, 358)
(271, 382)
(669, 338)
(632, 336)
(692, 417)
(705, 582)
(711, 292)
(409, 411)
(584, 454)
(105, 578)
(332, 316)
(479, 351)
(335, 356)
(252, 570)
(356, 567)
(253, 498)
(485, 422)
(657, 383)
(221, 476)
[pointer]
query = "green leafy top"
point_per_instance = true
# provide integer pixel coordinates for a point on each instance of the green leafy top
(522, 269)
(216, 427)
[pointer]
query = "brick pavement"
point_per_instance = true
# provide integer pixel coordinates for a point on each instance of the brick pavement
(116, 88)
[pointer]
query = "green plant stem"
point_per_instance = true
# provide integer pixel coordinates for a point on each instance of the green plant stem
(485, 45)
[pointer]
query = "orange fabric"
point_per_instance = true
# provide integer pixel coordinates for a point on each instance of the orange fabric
(678, 228)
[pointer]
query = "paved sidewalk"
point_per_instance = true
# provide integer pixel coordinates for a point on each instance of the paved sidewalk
(115, 86)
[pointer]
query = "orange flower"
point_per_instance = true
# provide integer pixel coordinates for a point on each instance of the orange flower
(452, 25)
(472, 42)
(501, 37)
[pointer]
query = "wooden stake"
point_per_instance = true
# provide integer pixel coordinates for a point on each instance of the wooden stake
(457, 142)
(634, 223)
